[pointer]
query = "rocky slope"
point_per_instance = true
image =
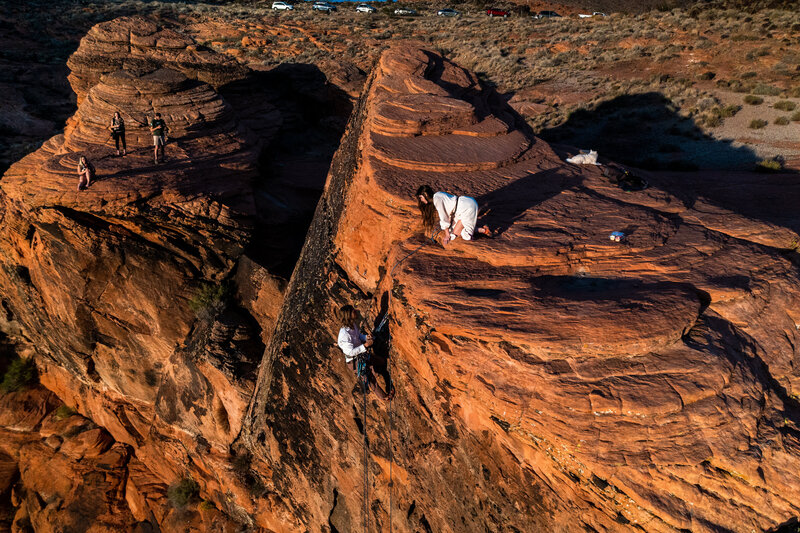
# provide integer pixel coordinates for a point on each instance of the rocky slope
(548, 379)
(120, 291)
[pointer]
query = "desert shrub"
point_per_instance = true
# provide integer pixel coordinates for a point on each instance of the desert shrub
(182, 492)
(766, 90)
(65, 411)
(782, 121)
(206, 505)
(705, 76)
(753, 100)
(785, 105)
(209, 298)
(20, 375)
(796, 117)
(757, 124)
(769, 165)
(729, 110)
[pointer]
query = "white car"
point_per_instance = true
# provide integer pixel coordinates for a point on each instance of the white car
(282, 6)
(365, 8)
(595, 14)
(405, 11)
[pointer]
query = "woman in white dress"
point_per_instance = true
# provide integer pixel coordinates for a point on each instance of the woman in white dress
(354, 343)
(456, 216)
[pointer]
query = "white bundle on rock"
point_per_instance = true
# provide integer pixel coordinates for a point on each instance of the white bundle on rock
(586, 157)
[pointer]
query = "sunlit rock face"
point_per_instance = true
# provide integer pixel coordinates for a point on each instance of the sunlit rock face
(106, 285)
(548, 379)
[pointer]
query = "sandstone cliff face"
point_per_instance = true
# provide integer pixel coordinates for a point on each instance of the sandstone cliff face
(138, 44)
(101, 284)
(548, 379)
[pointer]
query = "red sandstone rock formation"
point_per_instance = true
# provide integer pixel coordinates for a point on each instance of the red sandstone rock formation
(549, 379)
(100, 284)
(139, 44)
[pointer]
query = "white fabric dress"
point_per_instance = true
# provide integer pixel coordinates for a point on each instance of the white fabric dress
(351, 341)
(466, 212)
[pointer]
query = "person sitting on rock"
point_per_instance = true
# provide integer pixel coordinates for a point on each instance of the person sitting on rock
(117, 128)
(159, 130)
(85, 173)
(456, 215)
(354, 344)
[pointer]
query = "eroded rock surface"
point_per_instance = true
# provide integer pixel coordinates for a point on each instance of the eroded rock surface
(116, 289)
(548, 379)
(139, 44)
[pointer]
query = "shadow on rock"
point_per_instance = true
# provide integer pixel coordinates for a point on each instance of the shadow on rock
(300, 117)
(645, 130)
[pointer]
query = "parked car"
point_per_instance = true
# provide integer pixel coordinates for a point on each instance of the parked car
(495, 12)
(447, 12)
(282, 6)
(323, 6)
(547, 15)
(405, 11)
(365, 8)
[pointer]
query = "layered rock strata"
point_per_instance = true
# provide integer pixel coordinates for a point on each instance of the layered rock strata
(548, 379)
(123, 292)
(139, 44)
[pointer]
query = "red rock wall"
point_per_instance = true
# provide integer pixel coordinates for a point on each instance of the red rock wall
(549, 379)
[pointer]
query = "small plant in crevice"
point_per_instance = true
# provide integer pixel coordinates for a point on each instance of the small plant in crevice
(65, 411)
(210, 299)
(20, 375)
(206, 505)
(183, 492)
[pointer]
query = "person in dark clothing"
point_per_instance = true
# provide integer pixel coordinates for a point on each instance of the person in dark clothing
(117, 128)
(159, 130)
(85, 173)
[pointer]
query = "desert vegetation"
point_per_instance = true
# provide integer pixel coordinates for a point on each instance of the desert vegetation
(694, 56)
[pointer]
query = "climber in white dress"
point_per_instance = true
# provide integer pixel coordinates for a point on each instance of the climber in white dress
(456, 216)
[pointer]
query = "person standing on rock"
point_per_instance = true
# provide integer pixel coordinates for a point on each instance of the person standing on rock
(354, 344)
(117, 128)
(85, 173)
(456, 215)
(159, 130)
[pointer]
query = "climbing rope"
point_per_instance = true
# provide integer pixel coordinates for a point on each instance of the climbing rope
(361, 371)
(361, 367)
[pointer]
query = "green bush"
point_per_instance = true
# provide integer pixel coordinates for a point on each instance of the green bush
(65, 411)
(785, 105)
(757, 124)
(782, 121)
(209, 297)
(20, 375)
(769, 165)
(753, 100)
(729, 110)
(206, 505)
(766, 90)
(183, 492)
